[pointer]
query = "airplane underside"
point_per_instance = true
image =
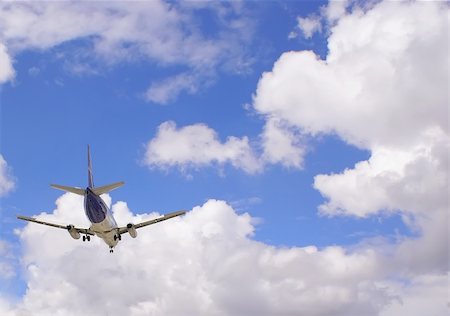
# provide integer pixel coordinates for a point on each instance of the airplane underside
(109, 234)
(98, 213)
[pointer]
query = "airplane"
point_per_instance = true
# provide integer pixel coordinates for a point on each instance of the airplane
(103, 223)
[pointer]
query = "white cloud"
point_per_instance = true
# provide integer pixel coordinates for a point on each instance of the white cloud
(7, 181)
(376, 91)
(281, 145)
(166, 34)
(111, 24)
(169, 89)
(6, 308)
(334, 10)
(413, 179)
(198, 145)
(34, 71)
(205, 263)
(315, 23)
(292, 34)
(6, 68)
(309, 25)
(382, 87)
(7, 270)
(423, 296)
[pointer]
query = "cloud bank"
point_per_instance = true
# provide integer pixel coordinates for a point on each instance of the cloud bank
(383, 88)
(206, 263)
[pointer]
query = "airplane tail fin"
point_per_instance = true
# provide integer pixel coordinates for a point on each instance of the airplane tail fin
(97, 191)
(75, 190)
(90, 177)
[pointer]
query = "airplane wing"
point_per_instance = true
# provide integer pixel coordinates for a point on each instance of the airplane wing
(86, 231)
(125, 229)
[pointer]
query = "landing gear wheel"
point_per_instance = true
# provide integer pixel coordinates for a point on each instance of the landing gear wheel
(84, 238)
(88, 238)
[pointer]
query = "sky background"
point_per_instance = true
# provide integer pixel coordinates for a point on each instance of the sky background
(308, 139)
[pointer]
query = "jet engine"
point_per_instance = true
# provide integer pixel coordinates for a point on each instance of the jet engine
(132, 230)
(73, 232)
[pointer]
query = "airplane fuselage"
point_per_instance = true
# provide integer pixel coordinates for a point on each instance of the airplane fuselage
(102, 221)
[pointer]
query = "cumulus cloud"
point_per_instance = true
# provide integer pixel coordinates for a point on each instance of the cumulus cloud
(378, 91)
(413, 179)
(198, 145)
(383, 88)
(281, 145)
(7, 182)
(334, 10)
(162, 33)
(205, 263)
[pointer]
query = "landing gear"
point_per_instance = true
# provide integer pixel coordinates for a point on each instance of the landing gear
(117, 237)
(111, 250)
(87, 237)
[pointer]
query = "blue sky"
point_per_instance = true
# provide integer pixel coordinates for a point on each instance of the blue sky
(233, 80)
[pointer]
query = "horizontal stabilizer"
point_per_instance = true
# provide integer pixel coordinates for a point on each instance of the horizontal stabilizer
(75, 190)
(107, 188)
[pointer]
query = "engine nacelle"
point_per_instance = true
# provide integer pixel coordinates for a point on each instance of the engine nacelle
(73, 232)
(132, 230)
